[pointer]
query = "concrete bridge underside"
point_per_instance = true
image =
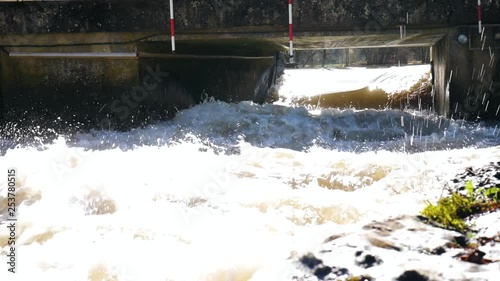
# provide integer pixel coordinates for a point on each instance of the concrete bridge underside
(302, 41)
(95, 56)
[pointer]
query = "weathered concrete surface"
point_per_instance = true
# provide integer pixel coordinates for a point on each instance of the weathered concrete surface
(72, 89)
(126, 26)
(427, 38)
(475, 84)
(467, 83)
(361, 57)
(197, 15)
(116, 92)
(126, 41)
(440, 71)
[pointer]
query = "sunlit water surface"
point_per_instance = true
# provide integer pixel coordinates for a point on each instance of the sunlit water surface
(224, 189)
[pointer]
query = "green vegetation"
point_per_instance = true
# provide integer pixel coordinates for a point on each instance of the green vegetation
(451, 211)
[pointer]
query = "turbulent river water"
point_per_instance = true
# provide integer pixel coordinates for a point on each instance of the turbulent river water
(223, 190)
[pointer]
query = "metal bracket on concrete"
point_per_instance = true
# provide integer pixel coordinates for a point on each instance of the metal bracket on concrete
(489, 38)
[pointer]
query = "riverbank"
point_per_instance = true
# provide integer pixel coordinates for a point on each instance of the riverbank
(408, 248)
(266, 180)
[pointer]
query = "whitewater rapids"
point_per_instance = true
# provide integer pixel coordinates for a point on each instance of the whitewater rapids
(223, 190)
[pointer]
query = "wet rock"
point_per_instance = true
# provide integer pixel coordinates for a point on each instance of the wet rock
(319, 269)
(488, 240)
(339, 272)
(310, 261)
(475, 256)
(384, 228)
(438, 251)
(379, 250)
(485, 177)
(377, 242)
(461, 241)
(381, 247)
(412, 275)
(331, 238)
(322, 272)
(367, 260)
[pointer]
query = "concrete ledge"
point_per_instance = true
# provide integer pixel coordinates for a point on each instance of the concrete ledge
(117, 90)
(201, 57)
(71, 55)
(36, 17)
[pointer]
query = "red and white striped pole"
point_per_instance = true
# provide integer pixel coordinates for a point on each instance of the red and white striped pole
(172, 26)
(479, 15)
(290, 29)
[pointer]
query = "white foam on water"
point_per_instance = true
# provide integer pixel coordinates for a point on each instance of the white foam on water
(223, 189)
(400, 78)
(315, 82)
(175, 213)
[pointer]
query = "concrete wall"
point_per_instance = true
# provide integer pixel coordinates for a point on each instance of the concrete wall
(358, 57)
(99, 87)
(74, 89)
(3, 55)
(191, 15)
(123, 92)
(474, 88)
(476, 85)
(440, 70)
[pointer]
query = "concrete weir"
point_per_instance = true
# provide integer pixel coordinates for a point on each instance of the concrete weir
(133, 84)
(110, 62)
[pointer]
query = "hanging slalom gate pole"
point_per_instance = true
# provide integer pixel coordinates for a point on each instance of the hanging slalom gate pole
(172, 25)
(479, 15)
(290, 29)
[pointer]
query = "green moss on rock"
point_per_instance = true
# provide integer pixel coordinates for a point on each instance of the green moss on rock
(451, 211)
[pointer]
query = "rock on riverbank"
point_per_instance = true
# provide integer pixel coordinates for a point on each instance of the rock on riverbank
(485, 178)
(404, 248)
